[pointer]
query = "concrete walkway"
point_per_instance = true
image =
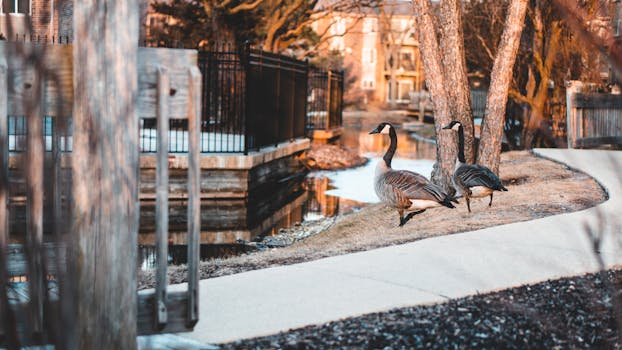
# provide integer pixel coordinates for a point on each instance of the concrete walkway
(433, 270)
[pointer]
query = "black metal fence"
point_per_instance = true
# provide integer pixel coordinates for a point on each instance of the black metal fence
(325, 98)
(276, 98)
(18, 133)
(251, 99)
(43, 39)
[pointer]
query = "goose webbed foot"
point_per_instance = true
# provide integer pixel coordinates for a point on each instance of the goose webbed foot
(404, 220)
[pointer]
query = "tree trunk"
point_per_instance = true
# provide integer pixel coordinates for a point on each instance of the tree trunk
(218, 25)
(446, 142)
(454, 64)
(492, 129)
(105, 164)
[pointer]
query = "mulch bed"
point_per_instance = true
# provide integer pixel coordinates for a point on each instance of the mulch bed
(569, 313)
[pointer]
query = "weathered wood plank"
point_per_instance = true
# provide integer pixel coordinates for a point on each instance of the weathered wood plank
(589, 142)
(176, 62)
(4, 186)
(177, 313)
(105, 155)
(162, 198)
(600, 101)
(35, 151)
(593, 119)
(194, 190)
(4, 156)
(59, 86)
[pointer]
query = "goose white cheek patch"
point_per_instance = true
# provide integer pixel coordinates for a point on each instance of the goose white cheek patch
(385, 130)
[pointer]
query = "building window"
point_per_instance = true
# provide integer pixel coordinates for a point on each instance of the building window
(369, 56)
(368, 84)
(370, 25)
(338, 27)
(16, 6)
(404, 87)
(407, 61)
(337, 44)
(338, 30)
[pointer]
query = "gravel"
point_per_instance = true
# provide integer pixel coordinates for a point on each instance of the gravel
(569, 313)
(290, 235)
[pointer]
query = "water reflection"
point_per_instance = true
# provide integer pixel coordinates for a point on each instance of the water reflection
(320, 204)
(356, 137)
(225, 222)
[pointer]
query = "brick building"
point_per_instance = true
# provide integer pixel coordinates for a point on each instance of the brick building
(42, 18)
(380, 49)
(45, 18)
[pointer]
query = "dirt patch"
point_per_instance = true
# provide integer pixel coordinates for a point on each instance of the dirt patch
(537, 188)
(330, 157)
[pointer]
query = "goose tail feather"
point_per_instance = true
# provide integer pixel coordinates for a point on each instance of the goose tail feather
(447, 201)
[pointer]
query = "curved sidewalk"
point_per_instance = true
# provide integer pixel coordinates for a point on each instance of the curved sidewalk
(267, 301)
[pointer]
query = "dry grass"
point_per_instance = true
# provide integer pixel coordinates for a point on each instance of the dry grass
(537, 188)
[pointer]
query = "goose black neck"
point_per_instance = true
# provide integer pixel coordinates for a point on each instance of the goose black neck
(392, 147)
(461, 144)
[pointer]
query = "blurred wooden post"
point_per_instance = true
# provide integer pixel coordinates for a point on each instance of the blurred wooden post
(4, 156)
(572, 121)
(194, 193)
(35, 152)
(105, 167)
(4, 187)
(162, 109)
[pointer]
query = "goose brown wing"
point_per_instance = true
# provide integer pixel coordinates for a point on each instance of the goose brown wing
(472, 175)
(413, 185)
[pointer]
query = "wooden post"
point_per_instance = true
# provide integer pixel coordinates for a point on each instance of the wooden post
(4, 189)
(162, 108)
(572, 124)
(105, 167)
(194, 193)
(4, 157)
(35, 153)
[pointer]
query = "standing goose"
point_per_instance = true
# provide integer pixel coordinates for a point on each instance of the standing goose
(402, 189)
(472, 180)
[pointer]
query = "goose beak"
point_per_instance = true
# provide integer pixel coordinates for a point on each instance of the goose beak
(375, 131)
(446, 127)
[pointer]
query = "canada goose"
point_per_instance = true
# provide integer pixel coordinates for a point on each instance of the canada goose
(472, 180)
(402, 189)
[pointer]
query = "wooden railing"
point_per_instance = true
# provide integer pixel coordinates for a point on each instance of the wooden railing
(169, 87)
(593, 119)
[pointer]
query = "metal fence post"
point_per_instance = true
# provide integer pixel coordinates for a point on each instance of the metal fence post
(341, 87)
(278, 103)
(245, 54)
(307, 69)
(328, 99)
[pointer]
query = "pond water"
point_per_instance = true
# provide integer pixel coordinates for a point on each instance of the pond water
(321, 194)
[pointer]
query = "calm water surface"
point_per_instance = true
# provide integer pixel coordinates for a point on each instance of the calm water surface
(321, 194)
